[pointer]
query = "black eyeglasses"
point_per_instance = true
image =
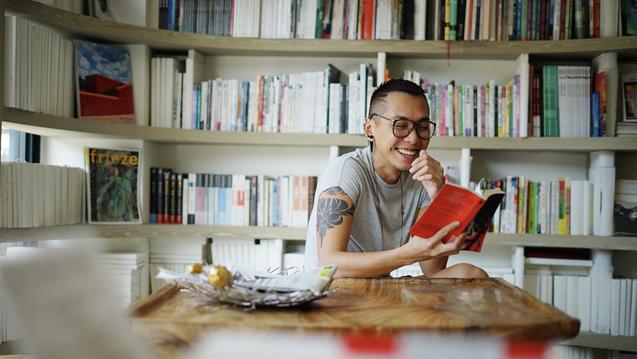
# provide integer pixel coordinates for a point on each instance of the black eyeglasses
(402, 127)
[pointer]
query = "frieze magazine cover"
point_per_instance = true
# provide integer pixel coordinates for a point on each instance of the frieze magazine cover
(113, 185)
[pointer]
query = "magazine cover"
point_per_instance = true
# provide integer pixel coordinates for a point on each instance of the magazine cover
(104, 82)
(113, 182)
(630, 97)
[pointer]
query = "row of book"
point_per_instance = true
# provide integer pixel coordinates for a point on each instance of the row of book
(309, 102)
(230, 200)
(572, 294)
(562, 104)
(563, 207)
(493, 20)
(487, 110)
(34, 195)
(38, 68)
(127, 274)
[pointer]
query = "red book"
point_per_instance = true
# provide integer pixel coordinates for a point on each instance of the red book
(455, 203)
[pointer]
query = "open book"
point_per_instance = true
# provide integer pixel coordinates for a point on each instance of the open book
(455, 203)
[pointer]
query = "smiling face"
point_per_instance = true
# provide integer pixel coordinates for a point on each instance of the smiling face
(391, 154)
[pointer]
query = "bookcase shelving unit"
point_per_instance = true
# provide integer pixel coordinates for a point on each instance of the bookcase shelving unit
(79, 26)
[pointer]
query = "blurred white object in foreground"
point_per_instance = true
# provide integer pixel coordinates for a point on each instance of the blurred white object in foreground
(64, 306)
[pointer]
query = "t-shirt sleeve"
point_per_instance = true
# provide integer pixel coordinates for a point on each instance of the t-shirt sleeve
(348, 176)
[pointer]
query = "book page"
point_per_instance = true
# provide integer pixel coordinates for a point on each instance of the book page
(478, 227)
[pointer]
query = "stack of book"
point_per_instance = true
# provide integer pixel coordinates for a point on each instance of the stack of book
(33, 195)
(493, 20)
(173, 254)
(38, 68)
(309, 102)
(563, 207)
(128, 274)
(230, 200)
(623, 307)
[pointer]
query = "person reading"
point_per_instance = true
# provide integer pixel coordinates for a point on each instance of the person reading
(368, 199)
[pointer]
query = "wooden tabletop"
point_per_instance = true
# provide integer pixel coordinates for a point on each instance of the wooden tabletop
(172, 318)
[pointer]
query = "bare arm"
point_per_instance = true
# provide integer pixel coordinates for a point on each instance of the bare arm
(333, 226)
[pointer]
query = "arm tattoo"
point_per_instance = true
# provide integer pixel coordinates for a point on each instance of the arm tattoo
(330, 211)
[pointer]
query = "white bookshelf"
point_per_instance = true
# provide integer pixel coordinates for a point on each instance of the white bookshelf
(79, 231)
(258, 153)
(592, 340)
(56, 126)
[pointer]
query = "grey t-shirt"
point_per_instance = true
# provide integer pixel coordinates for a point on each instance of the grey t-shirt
(377, 205)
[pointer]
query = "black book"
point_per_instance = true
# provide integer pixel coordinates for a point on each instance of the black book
(153, 194)
(172, 197)
(166, 197)
(159, 201)
(179, 190)
(407, 31)
(462, 7)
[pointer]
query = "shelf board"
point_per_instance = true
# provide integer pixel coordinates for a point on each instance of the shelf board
(544, 240)
(87, 231)
(80, 231)
(56, 126)
(88, 27)
(592, 340)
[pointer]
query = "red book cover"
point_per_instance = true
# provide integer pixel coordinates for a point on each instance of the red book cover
(455, 203)
(369, 19)
(104, 82)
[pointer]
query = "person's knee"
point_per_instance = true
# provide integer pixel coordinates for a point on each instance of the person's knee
(466, 270)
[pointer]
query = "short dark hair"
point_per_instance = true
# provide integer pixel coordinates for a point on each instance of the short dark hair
(395, 85)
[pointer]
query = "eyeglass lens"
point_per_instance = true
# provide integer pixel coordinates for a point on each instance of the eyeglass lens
(402, 128)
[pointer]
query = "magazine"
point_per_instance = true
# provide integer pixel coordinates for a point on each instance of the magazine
(104, 82)
(113, 182)
(629, 88)
(454, 203)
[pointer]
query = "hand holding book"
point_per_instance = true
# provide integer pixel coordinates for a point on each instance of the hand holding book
(454, 203)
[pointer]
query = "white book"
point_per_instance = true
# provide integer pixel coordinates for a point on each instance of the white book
(622, 306)
(577, 207)
(584, 302)
(10, 48)
(556, 19)
(572, 304)
(614, 306)
(609, 15)
(338, 13)
(522, 70)
(633, 309)
(629, 311)
(352, 20)
(532, 284)
(193, 74)
(559, 292)
(154, 93)
(420, 19)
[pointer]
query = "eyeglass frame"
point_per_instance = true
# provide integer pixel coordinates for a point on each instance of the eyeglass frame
(414, 123)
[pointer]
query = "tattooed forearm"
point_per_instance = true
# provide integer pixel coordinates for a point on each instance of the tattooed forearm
(330, 211)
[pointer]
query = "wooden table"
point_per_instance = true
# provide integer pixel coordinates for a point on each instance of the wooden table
(171, 319)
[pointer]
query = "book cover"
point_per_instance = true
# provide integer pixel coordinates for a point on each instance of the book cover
(104, 82)
(629, 88)
(113, 177)
(454, 203)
